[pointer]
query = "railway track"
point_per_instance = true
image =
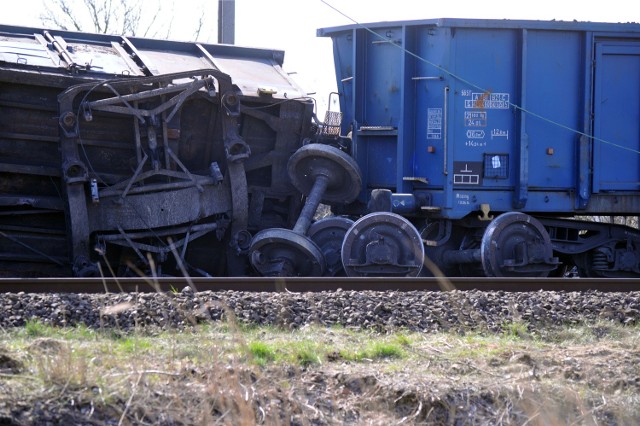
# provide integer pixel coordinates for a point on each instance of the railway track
(262, 284)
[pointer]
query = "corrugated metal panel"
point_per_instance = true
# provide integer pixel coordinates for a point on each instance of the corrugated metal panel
(255, 72)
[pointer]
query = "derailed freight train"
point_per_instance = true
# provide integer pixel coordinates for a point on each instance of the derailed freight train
(462, 147)
(125, 156)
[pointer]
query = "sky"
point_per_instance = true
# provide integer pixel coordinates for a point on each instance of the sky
(291, 25)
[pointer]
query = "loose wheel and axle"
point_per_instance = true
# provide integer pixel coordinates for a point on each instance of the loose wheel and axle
(323, 173)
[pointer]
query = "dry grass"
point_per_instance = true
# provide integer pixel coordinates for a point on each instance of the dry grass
(222, 374)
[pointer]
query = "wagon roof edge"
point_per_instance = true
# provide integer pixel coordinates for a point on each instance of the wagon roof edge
(491, 23)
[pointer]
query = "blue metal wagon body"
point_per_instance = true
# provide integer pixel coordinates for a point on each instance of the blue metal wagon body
(532, 116)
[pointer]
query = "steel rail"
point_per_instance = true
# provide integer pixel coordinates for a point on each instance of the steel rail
(299, 284)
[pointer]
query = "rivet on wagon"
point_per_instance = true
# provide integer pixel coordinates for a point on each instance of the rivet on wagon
(69, 119)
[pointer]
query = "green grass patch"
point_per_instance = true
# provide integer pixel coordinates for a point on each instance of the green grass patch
(516, 329)
(262, 353)
(36, 328)
(134, 345)
(402, 340)
(307, 354)
(303, 353)
(382, 350)
(373, 351)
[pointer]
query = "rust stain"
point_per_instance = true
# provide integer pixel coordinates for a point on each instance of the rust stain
(479, 103)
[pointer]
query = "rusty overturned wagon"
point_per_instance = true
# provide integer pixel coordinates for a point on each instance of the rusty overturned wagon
(468, 146)
(124, 155)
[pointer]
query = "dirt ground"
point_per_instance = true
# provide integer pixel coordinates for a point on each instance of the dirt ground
(595, 384)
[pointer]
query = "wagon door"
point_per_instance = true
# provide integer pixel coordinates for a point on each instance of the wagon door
(616, 164)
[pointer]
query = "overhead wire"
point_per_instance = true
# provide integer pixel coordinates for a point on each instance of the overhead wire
(476, 86)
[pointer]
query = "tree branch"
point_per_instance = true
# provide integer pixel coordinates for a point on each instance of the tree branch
(122, 17)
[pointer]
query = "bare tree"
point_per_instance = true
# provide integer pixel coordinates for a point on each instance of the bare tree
(143, 18)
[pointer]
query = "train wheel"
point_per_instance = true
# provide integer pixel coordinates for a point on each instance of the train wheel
(517, 245)
(328, 234)
(279, 252)
(382, 244)
(314, 160)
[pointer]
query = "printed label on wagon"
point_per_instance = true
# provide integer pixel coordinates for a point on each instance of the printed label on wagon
(475, 134)
(488, 101)
(463, 199)
(499, 133)
(467, 172)
(475, 119)
(434, 123)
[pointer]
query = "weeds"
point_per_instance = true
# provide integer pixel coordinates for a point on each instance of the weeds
(402, 339)
(67, 368)
(591, 333)
(36, 328)
(516, 329)
(236, 374)
(306, 355)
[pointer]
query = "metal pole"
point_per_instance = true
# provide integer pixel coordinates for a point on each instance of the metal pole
(226, 21)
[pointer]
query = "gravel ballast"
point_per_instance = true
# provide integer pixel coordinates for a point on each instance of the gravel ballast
(416, 311)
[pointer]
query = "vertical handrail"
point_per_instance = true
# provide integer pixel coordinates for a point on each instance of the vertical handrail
(445, 169)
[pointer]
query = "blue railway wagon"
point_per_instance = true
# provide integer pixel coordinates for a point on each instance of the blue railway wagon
(484, 132)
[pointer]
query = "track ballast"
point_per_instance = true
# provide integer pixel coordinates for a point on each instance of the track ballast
(478, 304)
